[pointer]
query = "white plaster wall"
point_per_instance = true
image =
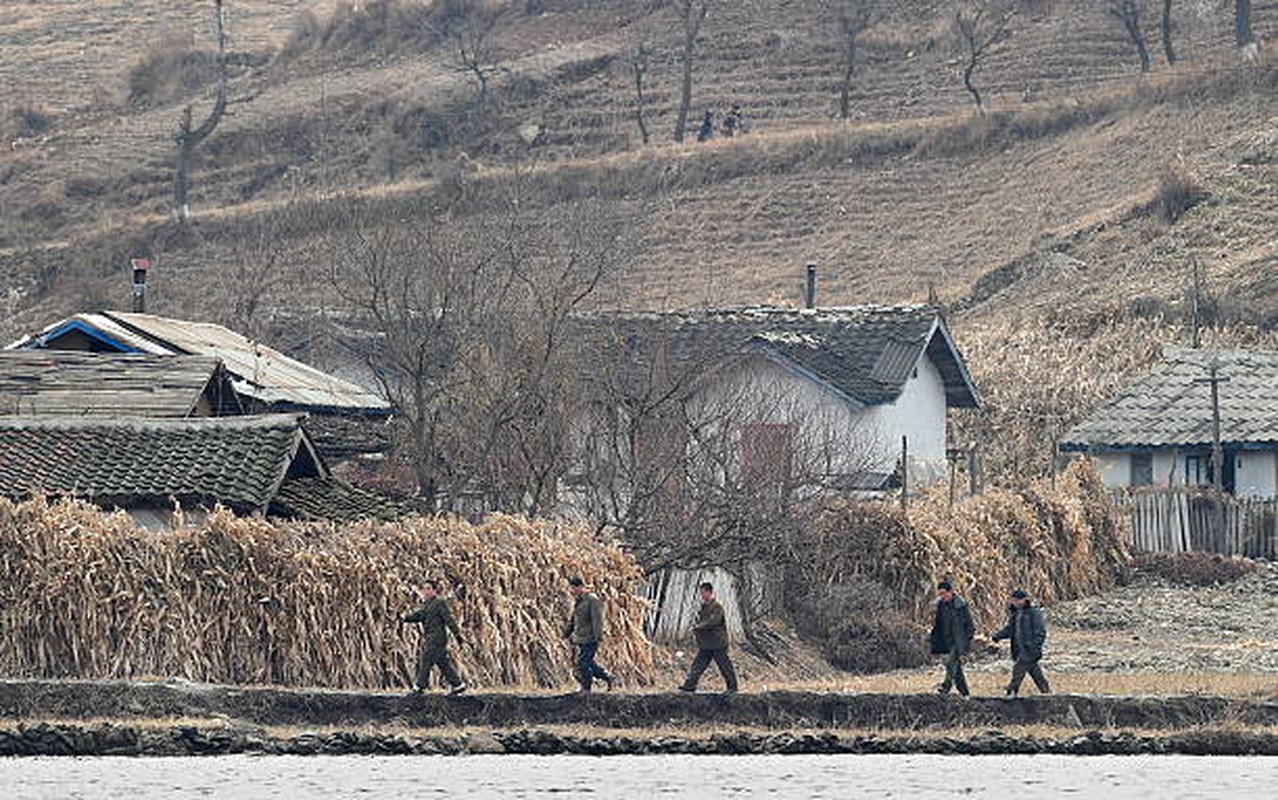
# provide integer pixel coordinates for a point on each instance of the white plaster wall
(1257, 474)
(869, 437)
(1115, 469)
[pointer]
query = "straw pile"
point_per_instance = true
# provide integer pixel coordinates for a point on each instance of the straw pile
(1057, 543)
(245, 600)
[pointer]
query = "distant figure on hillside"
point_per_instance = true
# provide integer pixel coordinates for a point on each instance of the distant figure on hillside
(711, 631)
(1028, 631)
(733, 124)
(952, 636)
(436, 619)
(585, 630)
(707, 127)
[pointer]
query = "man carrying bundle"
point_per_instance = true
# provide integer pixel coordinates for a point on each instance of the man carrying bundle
(711, 630)
(436, 619)
(585, 630)
(952, 634)
(1028, 632)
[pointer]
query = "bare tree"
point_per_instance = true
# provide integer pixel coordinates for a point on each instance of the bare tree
(190, 135)
(852, 17)
(1128, 13)
(981, 26)
(472, 29)
(692, 13)
(1169, 50)
(639, 69)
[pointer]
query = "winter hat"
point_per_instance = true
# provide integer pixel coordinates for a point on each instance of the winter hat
(1020, 594)
(945, 586)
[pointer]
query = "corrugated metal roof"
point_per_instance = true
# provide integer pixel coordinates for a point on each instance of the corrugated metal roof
(257, 371)
(70, 383)
(1171, 405)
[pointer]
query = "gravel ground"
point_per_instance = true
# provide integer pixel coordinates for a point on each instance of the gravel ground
(1151, 625)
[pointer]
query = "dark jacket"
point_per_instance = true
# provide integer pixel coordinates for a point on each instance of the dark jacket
(586, 623)
(953, 628)
(711, 629)
(436, 619)
(1028, 631)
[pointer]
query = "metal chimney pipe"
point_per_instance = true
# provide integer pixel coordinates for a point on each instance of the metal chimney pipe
(140, 266)
(809, 291)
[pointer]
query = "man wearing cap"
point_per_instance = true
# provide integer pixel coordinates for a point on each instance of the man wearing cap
(952, 633)
(711, 631)
(1028, 631)
(585, 630)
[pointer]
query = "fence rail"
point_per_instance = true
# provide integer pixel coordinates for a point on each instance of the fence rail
(1178, 521)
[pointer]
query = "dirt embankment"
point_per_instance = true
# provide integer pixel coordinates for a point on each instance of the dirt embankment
(156, 718)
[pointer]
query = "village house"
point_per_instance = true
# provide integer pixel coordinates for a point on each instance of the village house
(343, 418)
(857, 398)
(142, 433)
(1158, 432)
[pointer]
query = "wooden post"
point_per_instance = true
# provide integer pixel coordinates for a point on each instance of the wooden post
(905, 473)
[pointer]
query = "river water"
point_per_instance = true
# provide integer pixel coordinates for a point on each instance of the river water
(1021, 777)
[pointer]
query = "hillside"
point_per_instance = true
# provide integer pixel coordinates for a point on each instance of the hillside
(1039, 223)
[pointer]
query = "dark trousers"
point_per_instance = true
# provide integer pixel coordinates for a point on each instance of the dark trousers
(436, 656)
(587, 669)
(702, 661)
(954, 676)
(1022, 668)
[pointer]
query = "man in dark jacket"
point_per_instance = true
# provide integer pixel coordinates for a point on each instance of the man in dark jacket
(952, 636)
(1028, 631)
(436, 619)
(585, 631)
(711, 631)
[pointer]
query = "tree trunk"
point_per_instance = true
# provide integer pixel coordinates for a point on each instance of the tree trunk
(1132, 23)
(187, 137)
(640, 66)
(967, 81)
(693, 13)
(1168, 50)
(1242, 23)
(849, 69)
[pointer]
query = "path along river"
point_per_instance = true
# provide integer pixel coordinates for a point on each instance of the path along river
(1107, 777)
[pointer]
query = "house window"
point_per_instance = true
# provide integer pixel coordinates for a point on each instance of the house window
(1142, 469)
(1198, 470)
(766, 453)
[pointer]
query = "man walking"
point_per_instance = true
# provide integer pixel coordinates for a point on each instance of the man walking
(585, 630)
(1028, 631)
(711, 630)
(436, 619)
(952, 636)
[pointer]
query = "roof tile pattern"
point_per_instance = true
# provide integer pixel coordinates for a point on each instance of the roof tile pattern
(237, 461)
(66, 383)
(333, 499)
(1171, 405)
(866, 352)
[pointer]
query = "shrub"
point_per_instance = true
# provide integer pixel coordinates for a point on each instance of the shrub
(1193, 569)
(1178, 191)
(30, 119)
(170, 72)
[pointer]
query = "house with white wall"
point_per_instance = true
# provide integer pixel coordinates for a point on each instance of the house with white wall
(1159, 431)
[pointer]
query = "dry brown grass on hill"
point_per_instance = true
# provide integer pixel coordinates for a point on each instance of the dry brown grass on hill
(243, 600)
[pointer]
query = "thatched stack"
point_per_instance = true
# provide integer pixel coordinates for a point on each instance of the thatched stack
(244, 600)
(1057, 542)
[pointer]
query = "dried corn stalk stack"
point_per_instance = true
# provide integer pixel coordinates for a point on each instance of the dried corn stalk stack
(246, 600)
(1057, 543)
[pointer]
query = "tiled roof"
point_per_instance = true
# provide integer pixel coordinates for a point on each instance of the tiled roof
(67, 383)
(237, 461)
(866, 353)
(332, 499)
(1170, 406)
(259, 372)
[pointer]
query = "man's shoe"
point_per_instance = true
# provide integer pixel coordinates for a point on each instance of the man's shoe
(416, 689)
(729, 691)
(688, 689)
(610, 680)
(458, 689)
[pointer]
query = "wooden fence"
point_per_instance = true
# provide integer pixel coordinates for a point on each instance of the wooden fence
(1183, 520)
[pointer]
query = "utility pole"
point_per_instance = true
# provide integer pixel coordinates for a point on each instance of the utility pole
(1196, 302)
(1217, 452)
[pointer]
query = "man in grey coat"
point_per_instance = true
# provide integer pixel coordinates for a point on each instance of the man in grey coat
(711, 630)
(952, 634)
(1028, 632)
(585, 631)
